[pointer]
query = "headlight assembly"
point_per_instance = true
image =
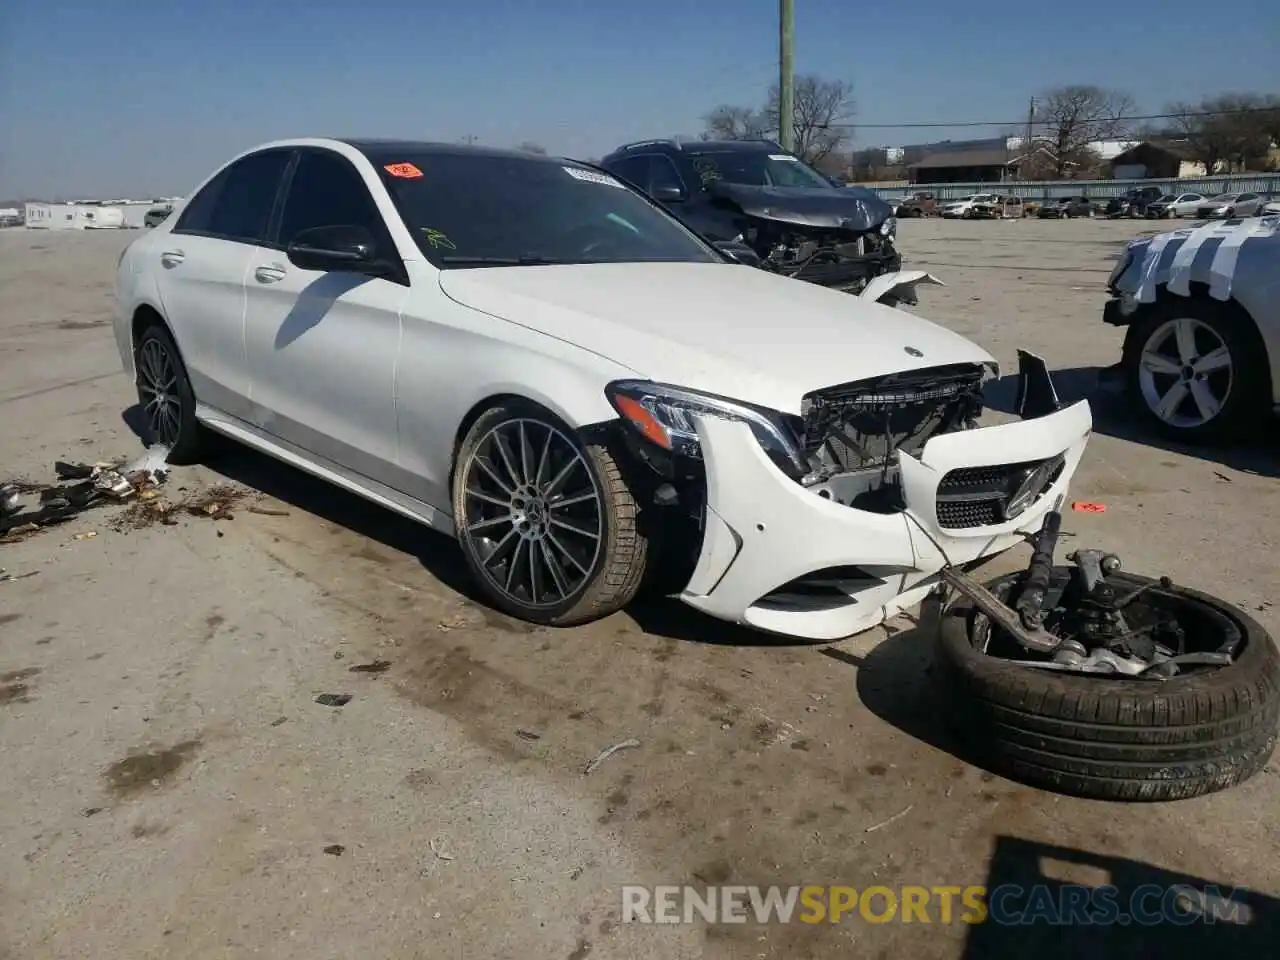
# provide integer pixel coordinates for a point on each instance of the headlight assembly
(889, 227)
(664, 415)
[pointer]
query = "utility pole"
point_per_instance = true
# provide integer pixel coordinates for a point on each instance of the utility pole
(469, 139)
(786, 75)
(1026, 141)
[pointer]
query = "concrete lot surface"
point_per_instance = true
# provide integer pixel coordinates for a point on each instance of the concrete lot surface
(171, 785)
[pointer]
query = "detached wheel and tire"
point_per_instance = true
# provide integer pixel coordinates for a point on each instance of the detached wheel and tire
(1193, 369)
(545, 519)
(1111, 737)
(165, 395)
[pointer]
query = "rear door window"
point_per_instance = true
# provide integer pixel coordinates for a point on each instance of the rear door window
(237, 204)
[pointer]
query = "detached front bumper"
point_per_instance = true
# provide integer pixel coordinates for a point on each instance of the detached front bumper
(779, 557)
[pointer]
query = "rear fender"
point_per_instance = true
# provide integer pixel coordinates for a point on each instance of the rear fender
(891, 288)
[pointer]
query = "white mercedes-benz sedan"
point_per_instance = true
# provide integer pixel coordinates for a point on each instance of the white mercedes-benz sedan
(527, 354)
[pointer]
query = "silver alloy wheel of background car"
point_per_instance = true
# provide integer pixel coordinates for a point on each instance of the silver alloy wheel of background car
(1185, 372)
(534, 514)
(158, 385)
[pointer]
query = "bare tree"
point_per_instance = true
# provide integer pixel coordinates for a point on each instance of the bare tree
(819, 118)
(528, 146)
(1233, 131)
(1071, 118)
(727, 122)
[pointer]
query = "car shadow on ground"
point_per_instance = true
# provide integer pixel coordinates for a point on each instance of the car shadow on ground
(895, 681)
(1024, 880)
(438, 554)
(1104, 389)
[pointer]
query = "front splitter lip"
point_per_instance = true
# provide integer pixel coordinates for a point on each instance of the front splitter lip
(764, 530)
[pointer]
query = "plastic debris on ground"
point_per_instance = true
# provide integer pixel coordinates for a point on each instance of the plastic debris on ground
(79, 487)
(26, 507)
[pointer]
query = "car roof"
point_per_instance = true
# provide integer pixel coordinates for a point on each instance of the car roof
(697, 146)
(378, 149)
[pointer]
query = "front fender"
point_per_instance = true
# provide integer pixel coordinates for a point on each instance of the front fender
(891, 287)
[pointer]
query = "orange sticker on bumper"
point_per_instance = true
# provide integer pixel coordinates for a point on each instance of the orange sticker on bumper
(1081, 506)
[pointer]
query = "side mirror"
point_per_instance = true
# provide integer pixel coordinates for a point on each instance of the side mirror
(342, 247)
(667, 193)
(738, 252)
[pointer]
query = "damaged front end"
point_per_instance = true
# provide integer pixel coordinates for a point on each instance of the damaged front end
(820, 525)
(842, 239)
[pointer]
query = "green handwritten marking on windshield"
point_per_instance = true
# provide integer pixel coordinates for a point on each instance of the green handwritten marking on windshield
(438, 240)
(619, 220)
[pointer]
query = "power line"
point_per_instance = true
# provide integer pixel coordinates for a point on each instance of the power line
(1015, 123)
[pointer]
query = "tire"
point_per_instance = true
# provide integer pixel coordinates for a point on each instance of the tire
(1110, 738)
(967, 215)
(604, 583)
(1242, 401)
(188, 442)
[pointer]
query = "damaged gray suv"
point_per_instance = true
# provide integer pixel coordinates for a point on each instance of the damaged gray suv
(767, 207)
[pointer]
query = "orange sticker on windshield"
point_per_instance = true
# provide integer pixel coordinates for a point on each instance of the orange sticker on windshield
(405, 170)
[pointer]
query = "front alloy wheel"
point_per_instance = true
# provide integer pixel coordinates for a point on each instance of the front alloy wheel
(546, 523)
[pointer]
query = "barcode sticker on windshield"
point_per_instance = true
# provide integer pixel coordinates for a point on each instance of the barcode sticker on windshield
(783, 156)
(591, 176)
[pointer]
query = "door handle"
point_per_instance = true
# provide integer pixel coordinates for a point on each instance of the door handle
(172, 258)
(269, 273)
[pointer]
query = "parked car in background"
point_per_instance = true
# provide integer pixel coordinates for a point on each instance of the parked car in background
(1270, 206)
(1132, 203)
(754, 193)
(964, 207)
(1201, 356)
(1000, 207)
(1066, 208)
(530, 356)
(1228, 205)
(1174, 205)
(918, 205)
(156, 215)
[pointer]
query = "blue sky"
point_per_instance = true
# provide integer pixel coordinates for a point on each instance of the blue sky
(138, 97)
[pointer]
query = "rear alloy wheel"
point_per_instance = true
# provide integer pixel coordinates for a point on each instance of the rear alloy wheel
(545, 520)
(165, 395)
(1191, 369)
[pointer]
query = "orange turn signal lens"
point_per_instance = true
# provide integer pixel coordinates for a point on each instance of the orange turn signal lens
(644, 421)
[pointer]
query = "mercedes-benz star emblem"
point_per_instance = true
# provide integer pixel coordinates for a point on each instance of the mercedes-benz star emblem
(913, 352)
(1033, 481)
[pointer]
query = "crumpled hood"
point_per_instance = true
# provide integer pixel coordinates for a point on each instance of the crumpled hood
(725, 329)
(848, 208)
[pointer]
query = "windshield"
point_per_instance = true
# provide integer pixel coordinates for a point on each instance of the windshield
(1223, 198)
(755, 168)
(467, 210)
